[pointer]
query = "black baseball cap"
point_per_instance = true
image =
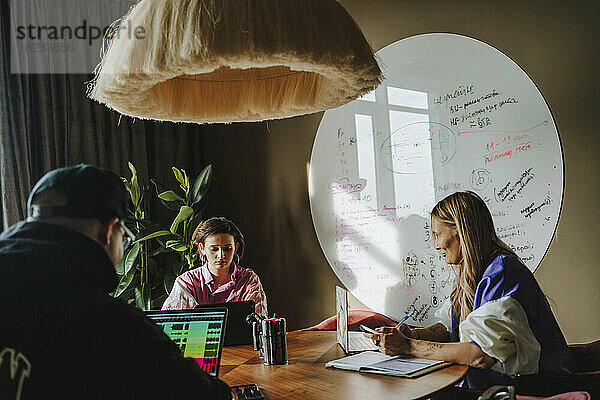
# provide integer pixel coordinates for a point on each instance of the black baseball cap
(91, 192)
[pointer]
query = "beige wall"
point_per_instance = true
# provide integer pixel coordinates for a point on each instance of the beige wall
(556, 43)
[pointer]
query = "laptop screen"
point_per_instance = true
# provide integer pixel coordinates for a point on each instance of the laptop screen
(237, 331)
(341, 308)
(198, 333)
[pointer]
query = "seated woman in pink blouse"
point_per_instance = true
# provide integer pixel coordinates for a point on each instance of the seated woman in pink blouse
(220, 278)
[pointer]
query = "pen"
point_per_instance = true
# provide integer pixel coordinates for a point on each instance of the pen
(367, 329)
(403, 320)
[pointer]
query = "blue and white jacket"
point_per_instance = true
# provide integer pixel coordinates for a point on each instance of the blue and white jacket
(511, 322)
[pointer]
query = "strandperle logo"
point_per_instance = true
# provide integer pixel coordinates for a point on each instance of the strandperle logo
(82, 32)
(66, 36)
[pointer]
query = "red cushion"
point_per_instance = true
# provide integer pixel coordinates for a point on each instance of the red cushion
(355, 318)
(586, 356)
(562, 396)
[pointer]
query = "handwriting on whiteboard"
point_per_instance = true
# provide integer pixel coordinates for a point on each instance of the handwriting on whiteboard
(344, 185)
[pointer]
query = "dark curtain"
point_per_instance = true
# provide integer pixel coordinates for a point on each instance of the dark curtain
(46, 122)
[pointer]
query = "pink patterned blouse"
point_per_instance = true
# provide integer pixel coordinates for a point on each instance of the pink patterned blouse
(196, 286)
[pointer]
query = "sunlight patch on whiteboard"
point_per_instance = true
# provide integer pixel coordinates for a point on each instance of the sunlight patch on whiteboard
(366, 158)
(411, 152)
(407, 98)
(368, 97)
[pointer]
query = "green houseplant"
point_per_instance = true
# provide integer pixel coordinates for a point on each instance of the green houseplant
(136, 266)
(178, 240)
(140, 277)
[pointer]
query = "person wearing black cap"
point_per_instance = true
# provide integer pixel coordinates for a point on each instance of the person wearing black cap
(62, 334)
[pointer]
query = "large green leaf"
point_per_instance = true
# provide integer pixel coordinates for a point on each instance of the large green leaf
(178, 175)
(193, 224)
(126, 295)
(186, 180)
(139, 210)
(177, 245)
(124, 282)
(147, 228)
(171, 205)
(184, 213)
(155, 235)
(202, 184)
(142, 297)
(170, 195)
(196, 221)
(121, 268)
(135, 187)
(130, 257)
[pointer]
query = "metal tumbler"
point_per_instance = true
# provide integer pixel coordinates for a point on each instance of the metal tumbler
(257, 337)
(274, 343)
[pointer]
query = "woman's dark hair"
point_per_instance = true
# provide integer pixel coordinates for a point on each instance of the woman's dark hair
(216, 225)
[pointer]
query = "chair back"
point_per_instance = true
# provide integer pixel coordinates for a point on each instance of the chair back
(586, 356)
(586, 376)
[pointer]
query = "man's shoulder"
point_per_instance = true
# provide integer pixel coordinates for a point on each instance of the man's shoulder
(115, 312)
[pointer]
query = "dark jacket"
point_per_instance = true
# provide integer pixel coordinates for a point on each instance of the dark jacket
(63, 336)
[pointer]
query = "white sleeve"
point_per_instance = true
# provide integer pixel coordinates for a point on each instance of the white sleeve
(501, 329)
(443, 315)
(180, 297)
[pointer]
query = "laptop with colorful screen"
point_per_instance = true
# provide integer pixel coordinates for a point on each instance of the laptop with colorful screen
(198, 333)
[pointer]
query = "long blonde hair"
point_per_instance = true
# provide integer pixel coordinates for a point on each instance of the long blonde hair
(468, 214)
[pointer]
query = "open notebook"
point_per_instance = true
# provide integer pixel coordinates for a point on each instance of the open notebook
(351, 342)
(378, 363)
(198, 333)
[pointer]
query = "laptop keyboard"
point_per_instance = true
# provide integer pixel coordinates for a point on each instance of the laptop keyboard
(359, 342)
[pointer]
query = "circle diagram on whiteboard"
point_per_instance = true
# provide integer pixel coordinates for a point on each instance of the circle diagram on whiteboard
(453, 114)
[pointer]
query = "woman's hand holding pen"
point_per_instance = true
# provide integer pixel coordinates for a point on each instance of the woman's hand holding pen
(393, 341)
(409, 332)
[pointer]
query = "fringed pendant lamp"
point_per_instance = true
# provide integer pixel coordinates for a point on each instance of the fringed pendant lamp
(211, 61)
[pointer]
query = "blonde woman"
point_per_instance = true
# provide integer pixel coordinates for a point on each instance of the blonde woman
(220, 278)
(496, 320)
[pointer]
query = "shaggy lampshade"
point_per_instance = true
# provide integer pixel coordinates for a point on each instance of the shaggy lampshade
(210, 61)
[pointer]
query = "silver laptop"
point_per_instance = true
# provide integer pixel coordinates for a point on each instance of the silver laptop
(351, 342)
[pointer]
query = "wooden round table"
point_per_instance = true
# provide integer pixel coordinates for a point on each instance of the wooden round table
(305, 375)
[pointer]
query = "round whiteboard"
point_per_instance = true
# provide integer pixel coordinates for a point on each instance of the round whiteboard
(452, 114)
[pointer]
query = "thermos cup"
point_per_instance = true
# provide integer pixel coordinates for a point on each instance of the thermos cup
(274, 343)
(254, 320)
(257, 337)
